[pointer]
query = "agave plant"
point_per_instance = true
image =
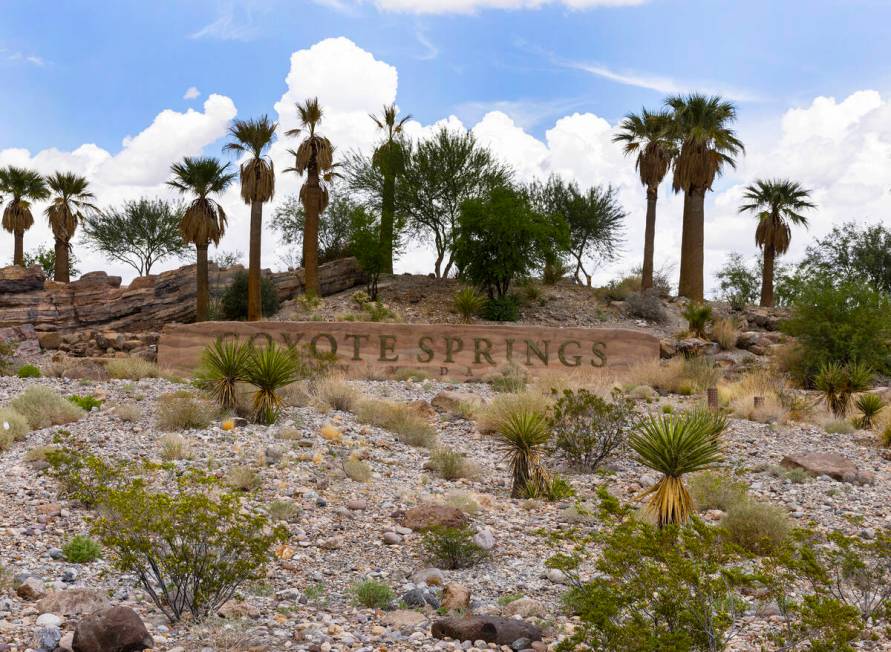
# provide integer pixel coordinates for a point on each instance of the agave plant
(869, 406)
(838, 382)
(675, 445)
(468, 303)
(269, 369)
(521, 437)
(223, 365)
(698, 315)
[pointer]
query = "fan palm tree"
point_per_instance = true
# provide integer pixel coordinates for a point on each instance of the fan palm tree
(389, 159)
(778, 203)
(649, 136)
(204, 220)
(315, 157)
(24, 186)
(72, 197)
(701, 125)
(253, 137)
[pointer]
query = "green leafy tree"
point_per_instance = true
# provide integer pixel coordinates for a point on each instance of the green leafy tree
(71, 197)
(22, 186)
(852, 251)
(778, 203)
(370, 248)
(335, 225)
(235, 302)
(649, 137)
(389, 158)
(46, 258)
(138, 233)
(204, 220)
(701, 125)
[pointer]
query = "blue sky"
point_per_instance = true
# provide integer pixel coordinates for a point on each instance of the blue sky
(810, 79)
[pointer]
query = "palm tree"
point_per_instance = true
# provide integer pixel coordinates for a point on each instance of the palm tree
(72, 196)
(389, 159)
(253, 137)
(649, 136)
(25, 186)
(204, 220)
(701, 126)
(778, 203)
(315, 156)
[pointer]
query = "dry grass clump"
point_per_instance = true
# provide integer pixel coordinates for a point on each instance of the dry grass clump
(883, 428)
(127, 412)
(713, 490)
(780, 402)
(466, 502)
(174, 447)
(243, 478)
(677, 375)
(356, 470)
(13, 427)
(725, 333)
(36, 454)
(43, 407)
(837, 426)
(770, 411)
(132, 368)
(400, 419)
(183, 411)
(331, 433)
(757, 527)
(293, 395)
(450, 464)
(490, 418)
(336, 394)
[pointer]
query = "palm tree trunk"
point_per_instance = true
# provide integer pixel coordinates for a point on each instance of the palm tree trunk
(254, 305)
(690, 284)
(646, 280)
(60, 271)
(767, 276)
(201, 286)
(18, 254)
(388, 212)
(312, 196)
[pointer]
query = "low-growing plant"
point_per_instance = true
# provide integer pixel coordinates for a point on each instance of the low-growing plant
(85, 402)
(174, 447)
(463, 501)
(331, 433)
(646, 305)
(838, 427)
(29, 371)
(400, 419)
(13, 427)
(551, 488)
(183, 411)
(713, 490)
(491, 417)
(43, 407)
(468, 303)
(759, 528)
(131, 368)
(698, 316)
(81, 549)
(36, 454)
(521, 438)
(725, 333)
(336, 394)
(128, 412)
(356, 470)
(509, 379)
(839, 383)
(452, 548)
(869, 406)
(506, 308)
(589, 429)
(450, 464)
(282, 510)
(243, 478)
(269, 369)
(372, 594)
(223, 367)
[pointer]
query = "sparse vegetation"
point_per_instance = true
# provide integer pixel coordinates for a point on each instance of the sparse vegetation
(336, 394)
(85, 402)
(13, 427)
(131, 368)
(356, 470)
(698, 316)
(589, 429)
(243, 478)
(183, 410)
(452, 548)
(81, 549)
(468, 303)
(713, 490)
(869, 406)
(372, 594)
(759, 528)
(43, 407)
(400, 419)
(269, 369)
(522, 437)
(509, 379)
(28, 371)
(450, 464)
(839, 383)
(223, 367)
(725, 333)
(174, 447)
(646, 304)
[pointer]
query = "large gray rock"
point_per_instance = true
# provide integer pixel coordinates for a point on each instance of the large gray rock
(502, 631)
(118, 629)
(835, 466)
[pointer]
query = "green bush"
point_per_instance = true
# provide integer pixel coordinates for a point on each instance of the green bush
(372, 594)
(698, 316)
(713, 490)
(759, 528)
(506, 308)
(44, 407)
(81, 550)
(85, 402)
(450, 464)
(468, 303)
(234, 299)
(452, 548)
(28, 371)
(13, 427)
(588, 429)
(183, 411)
(510, 379)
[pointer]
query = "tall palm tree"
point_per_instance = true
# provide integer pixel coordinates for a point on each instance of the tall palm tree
(72, 196)
(25, 186)
(701, 125)
(253, 137)
(389, 159)
(315, 157)
(649, 135)
(777, 204)
(204, 220)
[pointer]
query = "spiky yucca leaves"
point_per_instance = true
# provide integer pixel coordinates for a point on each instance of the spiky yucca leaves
(269, 369)
(24, 186)
(869, 406)
(389, 158)
(72, 198)
(838, 382)
(521, 438)
(675, 445)
(698, 315)
(224, 364)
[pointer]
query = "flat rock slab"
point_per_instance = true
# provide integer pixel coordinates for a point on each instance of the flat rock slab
(430, 515)
(501, 631)
(835, 466)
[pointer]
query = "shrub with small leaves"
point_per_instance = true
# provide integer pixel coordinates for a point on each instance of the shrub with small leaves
(452, 548)
(372, 594)
(506, 308)
(85, 402)
(13, 427)
(356, 470)
(713, 490)
(698, 315)
(468, 303)
(589, 429)
(43, 407)
(29, 371)
(450, 464)
(759, 528)
(81, 550)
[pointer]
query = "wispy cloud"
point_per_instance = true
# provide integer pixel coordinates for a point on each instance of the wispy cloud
(472, 6)
(235, 22)
(191, 93)
(347, 7)
(22, 57)
(525, 113)
(430, 50)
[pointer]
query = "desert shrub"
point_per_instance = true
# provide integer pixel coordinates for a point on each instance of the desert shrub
(675, 445)
(85, 402)
(174, 447)
(450, 464)
(509, 379)
(463, 501)
(698, 316)
(725, 333)
(589, 429)
(13, 427)
(839, 382)
(759, 528)
(521, 438)
(356, 470)
(243, 478)
(839, 323)
(771, 411)
(128, 412)
(190, 550)
(6, 352)
(336, 394)
(677, 375)
(838, 426)
(233, 302)
(376, 311)
(506, 308)
(885, 437)
(468, 303)
(869, 406)
(269, 369)
(81, 549)
(620, 289)
(452, 548)
(44, 407)
(131, 368)
(530, 292)
(739, 282)
(372, 594)
(713, 490)
(36, 454)
(545, 486)
(400, 419)
(491, 417)
(646, 305)
(282, 510)
(28, 371)
(331, 433)
(223, 367)
(183, 411)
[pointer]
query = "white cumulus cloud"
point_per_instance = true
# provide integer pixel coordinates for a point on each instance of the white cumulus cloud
(191, 93)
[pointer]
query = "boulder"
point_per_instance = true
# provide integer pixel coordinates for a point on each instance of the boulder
(835, 466)
(455, 597)
(430, 515)
(31, 588)
(501, 631)
(403, 618)
(73, 602)
(117, 629)
(15, 279)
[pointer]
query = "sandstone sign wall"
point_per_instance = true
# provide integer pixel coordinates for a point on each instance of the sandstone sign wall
(447, 350)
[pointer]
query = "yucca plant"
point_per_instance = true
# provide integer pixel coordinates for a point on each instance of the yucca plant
(269, 369)
(224, 364)
(838, 382)
(521, 437)
(675, 445)
(468, 303)
(698, 315)
(869, 406)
